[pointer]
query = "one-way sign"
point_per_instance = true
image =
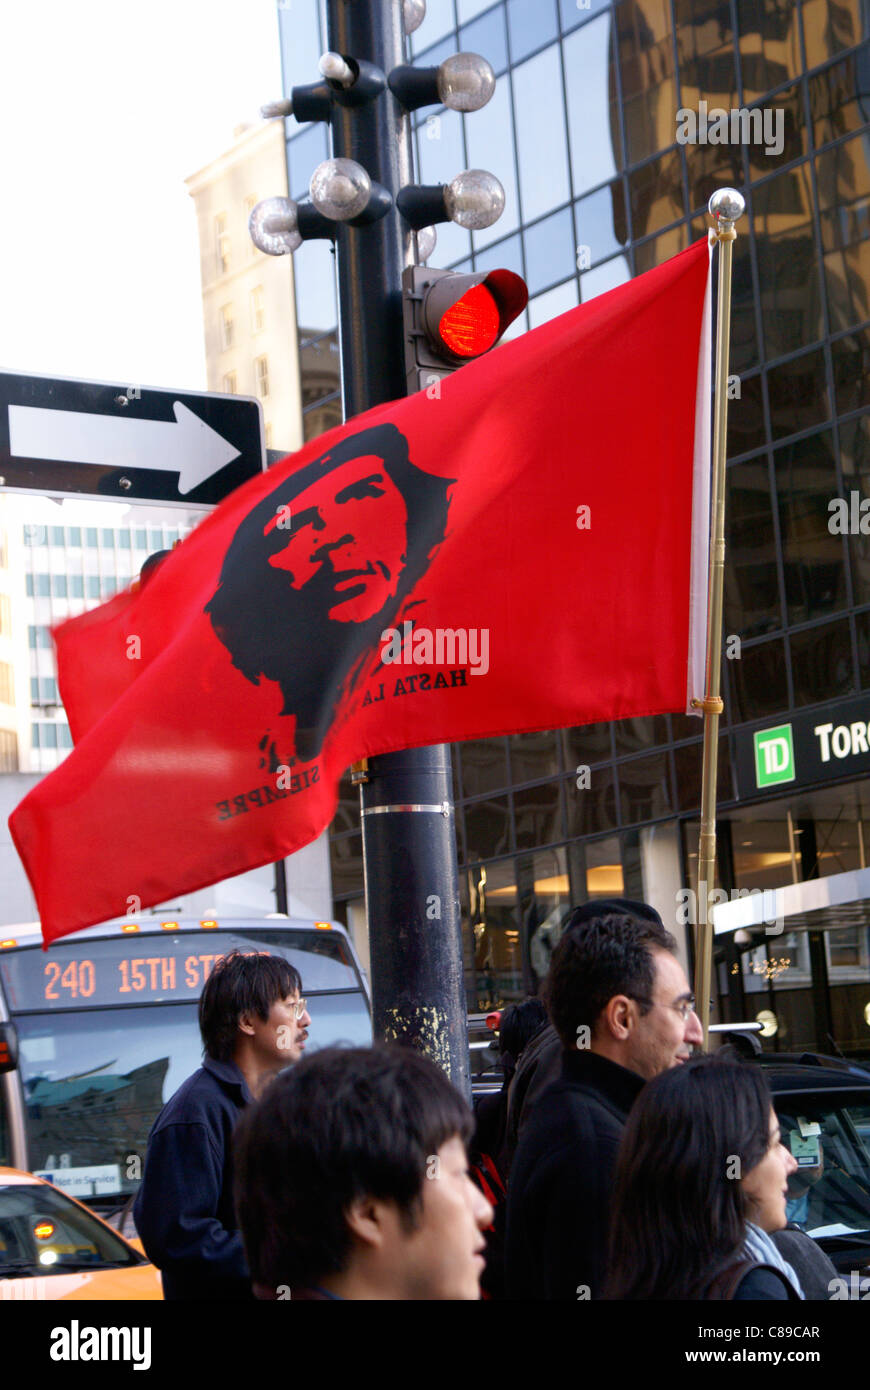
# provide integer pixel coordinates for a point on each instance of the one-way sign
(62, 437)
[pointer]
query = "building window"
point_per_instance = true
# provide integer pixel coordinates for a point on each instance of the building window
(261, 365)
(91, 535)
(43, 585)
(124, 540)
(229, 384)
(8, 751)
(34, 535)
(43, 690)
(258, 310)
(222, 243)
(92, 585)
(108, 536)
(7, 688)
(76, 586)
(227, 326)
(58, 585)
(74, 535)
(28, 585)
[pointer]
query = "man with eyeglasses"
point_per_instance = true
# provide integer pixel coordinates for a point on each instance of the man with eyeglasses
(253, 1025)
(622, 1012)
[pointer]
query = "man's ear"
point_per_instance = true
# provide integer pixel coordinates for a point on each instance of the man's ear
(615, 1019)
(245, 1024)
(366, 1218)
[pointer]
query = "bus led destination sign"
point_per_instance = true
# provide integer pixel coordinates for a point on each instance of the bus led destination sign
(101, 973)
(153, 976)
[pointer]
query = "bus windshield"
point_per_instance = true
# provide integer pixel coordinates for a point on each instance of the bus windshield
(107, 1032)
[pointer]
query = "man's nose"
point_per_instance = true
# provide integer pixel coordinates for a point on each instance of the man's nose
(694, 1032)
(483, 1210)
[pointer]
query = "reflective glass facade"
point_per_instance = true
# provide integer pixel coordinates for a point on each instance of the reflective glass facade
(583, 133)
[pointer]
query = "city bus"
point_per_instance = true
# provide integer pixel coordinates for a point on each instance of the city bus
(100, 1029)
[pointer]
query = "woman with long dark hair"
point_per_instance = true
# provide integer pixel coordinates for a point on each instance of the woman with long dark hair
(700, 1183)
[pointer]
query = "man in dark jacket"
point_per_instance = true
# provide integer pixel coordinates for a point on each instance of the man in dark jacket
(622, 1008)
(253, 1024)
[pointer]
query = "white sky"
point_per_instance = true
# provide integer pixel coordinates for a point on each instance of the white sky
(105, 108)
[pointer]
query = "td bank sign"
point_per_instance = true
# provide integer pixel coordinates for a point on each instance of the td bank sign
(811, 748)
(774, 756)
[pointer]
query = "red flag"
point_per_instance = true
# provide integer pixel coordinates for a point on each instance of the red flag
(520, 548)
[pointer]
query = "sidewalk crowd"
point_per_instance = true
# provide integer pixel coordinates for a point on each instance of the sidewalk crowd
(613, 1164)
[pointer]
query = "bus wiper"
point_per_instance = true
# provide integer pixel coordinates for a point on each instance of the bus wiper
(13, 1266)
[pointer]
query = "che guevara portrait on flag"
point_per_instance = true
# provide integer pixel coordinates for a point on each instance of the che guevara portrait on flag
(321, 567)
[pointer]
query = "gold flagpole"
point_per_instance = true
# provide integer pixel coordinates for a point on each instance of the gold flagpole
(726, 206)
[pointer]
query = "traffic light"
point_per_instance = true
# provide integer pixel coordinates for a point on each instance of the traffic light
(449, 319)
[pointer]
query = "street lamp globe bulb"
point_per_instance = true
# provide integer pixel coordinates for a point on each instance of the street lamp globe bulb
(426, 239)
(413, 14)
(340, 189)
(474, 199)
(274, 228)
(334, 68)
(465, 82)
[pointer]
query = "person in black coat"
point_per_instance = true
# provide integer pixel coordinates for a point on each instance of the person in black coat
(518, 1024)
(622, 1007)
(253, 1024)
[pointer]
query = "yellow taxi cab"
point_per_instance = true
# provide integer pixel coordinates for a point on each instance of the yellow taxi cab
(51, 1247)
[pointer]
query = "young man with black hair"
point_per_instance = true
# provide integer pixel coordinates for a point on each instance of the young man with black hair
(352, 1181)
(253, 1024)
(623, 1012)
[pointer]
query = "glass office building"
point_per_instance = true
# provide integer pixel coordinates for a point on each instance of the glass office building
(583, 133)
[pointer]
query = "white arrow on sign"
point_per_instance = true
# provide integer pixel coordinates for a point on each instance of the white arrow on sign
(187, 446)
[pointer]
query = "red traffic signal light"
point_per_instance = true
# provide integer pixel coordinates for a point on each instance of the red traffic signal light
(471, 325)
(450, 318)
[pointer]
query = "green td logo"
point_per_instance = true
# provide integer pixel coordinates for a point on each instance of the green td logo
(774, 756)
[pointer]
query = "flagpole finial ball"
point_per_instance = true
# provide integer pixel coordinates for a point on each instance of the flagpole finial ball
(727, 205)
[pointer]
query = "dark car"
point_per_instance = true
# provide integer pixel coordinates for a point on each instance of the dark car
(823, 1104)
